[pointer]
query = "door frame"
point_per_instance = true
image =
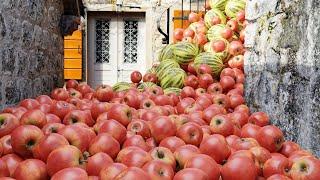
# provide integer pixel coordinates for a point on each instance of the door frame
(148, 37)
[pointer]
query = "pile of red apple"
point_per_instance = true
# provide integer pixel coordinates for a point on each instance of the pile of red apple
(204, 133)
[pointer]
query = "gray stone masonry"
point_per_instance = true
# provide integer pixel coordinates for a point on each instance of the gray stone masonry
(282, 66)
(31, 49)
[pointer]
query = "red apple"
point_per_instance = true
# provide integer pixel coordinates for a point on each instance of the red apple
(24, 139)
(216, 147)
(278, 177)
(74, 95)
(271, 138)
(222, 100)
(159, 170)
(236, 62)
(215, 88)
(72, 173)
(162, 127)
(8, 123)
(227, 33)
(240, 16)
(64, 157)
(31, 169)
(218, 46)
(136, 140)
(227, 83)
(12, 161)
(289, 147)
(261, 154)
(104, 93)
(188, 33)
(215, 20)
(221, 124)
(190, 133)
(84, 88)
(61, 108)
(276, 165)
(115, 129)
(136, 158)
(29, 104)
(239, 118)
(99, 108)
(52, 118)
(236, 48)
(147, 104)
(131, 100)
(150, 77)
(97, 162)
(191, 173)
(212, 111)
(149, 115)
(191, 68)
(294, 156)
(121, 113)
(206, 164)
(259, 118)
(250, 131)
(162, 100)
(105, 143)
(47, 144)
(139, 127)
(178, 34)
(133, 173)
(243, 108)
(33, 117)
(163, 154)
(4, 171)
(76, 136)
(111, 171)
(244, 144)
(183, 153)
(44, 99)
(136, 77)
(305, 168)
(72, 83)
(233, 25)
(193, 17)
(52, 128)
(205, 80)
(172, 143)
(204, 69)
(240, 168)
(5, 142)
(60, 94)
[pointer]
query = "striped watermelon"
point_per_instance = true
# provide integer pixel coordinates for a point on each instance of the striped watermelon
(121, 86)
(185, 52)
(164, 65)
(234, 6)
(166, 52)
(172, 90)
(215, 31)
(145, 85)
(219, 4)
(213, 13)
(173, 77)
(212, 59)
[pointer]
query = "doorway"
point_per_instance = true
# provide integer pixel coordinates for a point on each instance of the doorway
(116, 46)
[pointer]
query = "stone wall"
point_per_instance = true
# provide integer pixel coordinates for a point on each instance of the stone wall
(31, 49)
(282, 66)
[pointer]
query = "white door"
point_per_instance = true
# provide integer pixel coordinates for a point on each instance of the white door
(116, 47)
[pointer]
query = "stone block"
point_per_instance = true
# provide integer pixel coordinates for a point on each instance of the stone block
(3, 29)
(27, 34)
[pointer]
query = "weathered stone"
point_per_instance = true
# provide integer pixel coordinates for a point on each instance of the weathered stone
(8, 61)
(12, 92)
(3, 29)
(30, 42)
(282, 66)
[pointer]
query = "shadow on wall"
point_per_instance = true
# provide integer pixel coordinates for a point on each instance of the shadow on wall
(282, 67)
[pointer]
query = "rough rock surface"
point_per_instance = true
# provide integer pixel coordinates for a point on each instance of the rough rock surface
(31, 49)
(282, 66)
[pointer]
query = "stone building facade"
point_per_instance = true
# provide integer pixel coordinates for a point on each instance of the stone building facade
(282, 66)
(31, 49)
